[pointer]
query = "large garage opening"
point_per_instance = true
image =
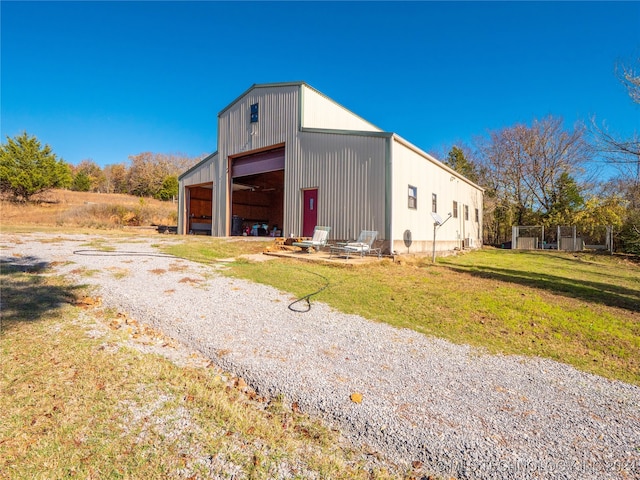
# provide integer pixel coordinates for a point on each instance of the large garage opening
(257, 193)
(199, 209)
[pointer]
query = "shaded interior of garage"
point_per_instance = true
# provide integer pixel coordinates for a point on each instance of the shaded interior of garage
(257, 193)
(199, 209)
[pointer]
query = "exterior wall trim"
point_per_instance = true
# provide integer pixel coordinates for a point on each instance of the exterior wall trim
(257, 150)
(360, 133)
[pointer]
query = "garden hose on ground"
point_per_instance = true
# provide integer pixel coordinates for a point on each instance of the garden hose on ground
(119, 253)
(307, 298)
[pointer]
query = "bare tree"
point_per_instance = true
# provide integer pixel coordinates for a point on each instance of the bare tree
(525, 165)
(630, 78)
(115, 178)
(148, 173)
(623, 153)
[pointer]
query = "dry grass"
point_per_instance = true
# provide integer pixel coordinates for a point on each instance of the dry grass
(64, 208)
(87, 392)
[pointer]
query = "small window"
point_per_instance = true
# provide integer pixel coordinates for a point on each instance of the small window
(466, 212)
(413, 197)
(434, 202)
(455, 209)
(477, 216)
(254, 113)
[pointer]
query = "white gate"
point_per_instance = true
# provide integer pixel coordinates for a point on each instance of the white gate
(571, 238)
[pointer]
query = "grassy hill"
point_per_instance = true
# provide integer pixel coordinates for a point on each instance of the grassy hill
(64, 208)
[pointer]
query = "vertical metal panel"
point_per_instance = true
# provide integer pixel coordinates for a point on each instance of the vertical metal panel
(349, 172)
(202, 174)
(278, 119)
(277, 123)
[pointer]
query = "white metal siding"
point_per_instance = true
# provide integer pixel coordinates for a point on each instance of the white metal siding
(410, 167)
(322, 112)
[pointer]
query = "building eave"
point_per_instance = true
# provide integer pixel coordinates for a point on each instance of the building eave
(197, 165)
(435, 161)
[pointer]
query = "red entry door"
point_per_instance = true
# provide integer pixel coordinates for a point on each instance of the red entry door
(310, 212)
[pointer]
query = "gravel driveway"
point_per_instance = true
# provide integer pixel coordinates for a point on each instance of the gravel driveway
(460, 411)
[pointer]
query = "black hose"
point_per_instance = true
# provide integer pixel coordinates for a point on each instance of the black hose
(307, 298)
(120, 253)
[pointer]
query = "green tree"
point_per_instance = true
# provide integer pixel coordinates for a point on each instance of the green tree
(601, 210)
(169, 188)
(81, 182)
(88, 177)
(457, 160)
(566, 201)
(28, 168)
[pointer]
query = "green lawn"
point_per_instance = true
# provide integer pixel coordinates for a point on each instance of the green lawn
(581, 309)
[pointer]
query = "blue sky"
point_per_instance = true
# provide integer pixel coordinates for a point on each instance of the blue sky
(105, 80)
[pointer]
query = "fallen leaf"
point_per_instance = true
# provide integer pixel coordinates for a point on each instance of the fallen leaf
(356, 397)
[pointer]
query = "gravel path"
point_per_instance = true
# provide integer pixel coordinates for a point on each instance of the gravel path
(461, 412)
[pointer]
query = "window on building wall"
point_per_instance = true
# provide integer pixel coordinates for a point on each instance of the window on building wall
(466, 212)
(434, 202)
(413, 197)
(477, 216)
(455, 209)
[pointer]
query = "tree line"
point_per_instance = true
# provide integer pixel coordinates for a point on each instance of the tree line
(533, 174)
(28, 168)
(542, 173)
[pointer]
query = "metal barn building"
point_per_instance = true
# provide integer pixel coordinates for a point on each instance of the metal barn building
(289, 158)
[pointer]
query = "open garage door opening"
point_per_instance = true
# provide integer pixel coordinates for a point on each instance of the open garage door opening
(199, 209)
(257, 193)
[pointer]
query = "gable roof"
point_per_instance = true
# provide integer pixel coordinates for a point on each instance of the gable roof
(197, 165)
(261, 85)
(379, 133)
